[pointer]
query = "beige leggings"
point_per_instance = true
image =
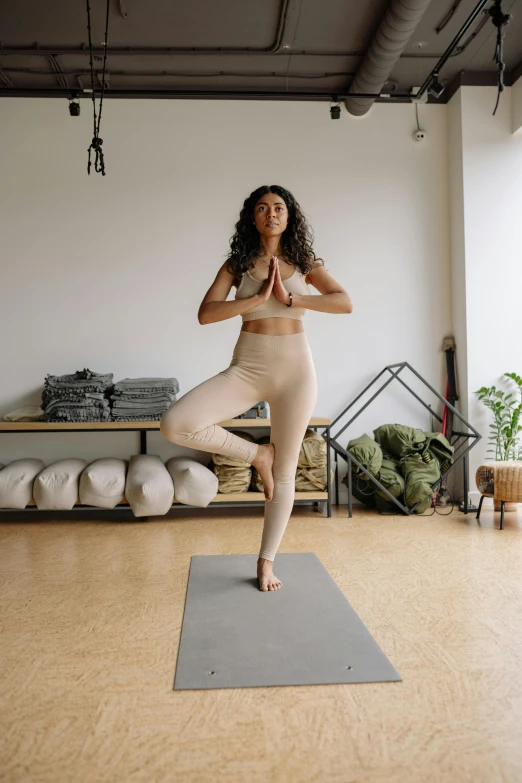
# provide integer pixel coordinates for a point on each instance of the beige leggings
(275, 368)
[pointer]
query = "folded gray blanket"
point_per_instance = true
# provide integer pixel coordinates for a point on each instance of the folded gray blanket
(140, 405)
(85, 379)
(65, 405)
(89, 396)
(155, 417)
(147, 384)
(79, 414)
(78, 397)
(142, 398)
(122, 413)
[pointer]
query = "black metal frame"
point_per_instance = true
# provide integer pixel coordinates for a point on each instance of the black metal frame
(432, 78)
(241, 424)
(339, 450)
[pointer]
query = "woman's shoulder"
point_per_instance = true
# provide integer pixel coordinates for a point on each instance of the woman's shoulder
(229, 269)
(228, 265)
(309, 276)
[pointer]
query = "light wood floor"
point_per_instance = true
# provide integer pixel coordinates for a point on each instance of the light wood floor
(91, 615)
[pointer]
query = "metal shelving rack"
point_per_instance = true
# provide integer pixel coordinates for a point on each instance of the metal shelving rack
(458, 439)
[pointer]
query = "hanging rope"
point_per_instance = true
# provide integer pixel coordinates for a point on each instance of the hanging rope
(499, 19)
(96, 143)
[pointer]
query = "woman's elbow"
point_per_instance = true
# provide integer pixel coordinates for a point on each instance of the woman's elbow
(203, 316)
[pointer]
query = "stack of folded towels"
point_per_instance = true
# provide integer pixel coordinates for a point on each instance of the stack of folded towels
(81, 396)
(143, 399)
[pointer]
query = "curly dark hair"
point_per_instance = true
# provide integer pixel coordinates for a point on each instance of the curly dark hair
(296, 240)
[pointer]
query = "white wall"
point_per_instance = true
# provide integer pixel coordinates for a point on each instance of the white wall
(486, 198)
(108, 272)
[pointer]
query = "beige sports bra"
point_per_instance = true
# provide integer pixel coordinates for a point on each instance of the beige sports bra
(273, 308)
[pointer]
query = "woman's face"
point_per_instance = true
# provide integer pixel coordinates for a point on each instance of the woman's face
(271, 215)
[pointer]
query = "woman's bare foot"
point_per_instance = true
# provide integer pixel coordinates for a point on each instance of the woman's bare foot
(263, 464)
(267, 580)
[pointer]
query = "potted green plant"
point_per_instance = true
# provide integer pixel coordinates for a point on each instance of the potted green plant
(505, 429)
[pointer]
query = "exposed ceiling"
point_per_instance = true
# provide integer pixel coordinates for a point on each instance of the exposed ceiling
(278, 49)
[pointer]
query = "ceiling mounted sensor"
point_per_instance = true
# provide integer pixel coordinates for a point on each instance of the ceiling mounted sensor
(391, 38)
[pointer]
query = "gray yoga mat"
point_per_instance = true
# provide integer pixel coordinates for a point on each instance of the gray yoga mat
(306, 633)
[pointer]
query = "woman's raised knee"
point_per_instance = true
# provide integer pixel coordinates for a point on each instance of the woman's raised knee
(174, 427)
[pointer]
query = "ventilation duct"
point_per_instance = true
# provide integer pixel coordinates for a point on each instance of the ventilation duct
(395, 30)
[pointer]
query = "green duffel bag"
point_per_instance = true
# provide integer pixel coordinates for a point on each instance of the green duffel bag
(366, 492)
(419, 476)
(390, 477)
(387, 505)
(362, 489)
(368, 453)
(399, 439)
(440, 447)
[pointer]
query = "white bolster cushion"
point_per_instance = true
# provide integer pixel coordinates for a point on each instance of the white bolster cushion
(16, 482)
(56, 487)
(149, 488)
(102, 483)
(194, 483)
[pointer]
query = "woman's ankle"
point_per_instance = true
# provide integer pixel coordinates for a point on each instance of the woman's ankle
(259, 453)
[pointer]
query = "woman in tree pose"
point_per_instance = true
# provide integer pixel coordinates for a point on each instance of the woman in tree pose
(272, 264)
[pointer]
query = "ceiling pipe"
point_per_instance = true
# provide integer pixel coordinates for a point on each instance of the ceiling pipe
(395, 30)
(171, 51)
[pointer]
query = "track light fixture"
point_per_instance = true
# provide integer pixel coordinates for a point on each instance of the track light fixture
(435, 87)
(74, 106)
(335, 111)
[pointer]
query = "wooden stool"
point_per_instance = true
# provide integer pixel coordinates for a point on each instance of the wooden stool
(501, 481)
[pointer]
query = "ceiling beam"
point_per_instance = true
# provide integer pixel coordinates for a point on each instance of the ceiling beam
(516, 72)
(475, 79)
